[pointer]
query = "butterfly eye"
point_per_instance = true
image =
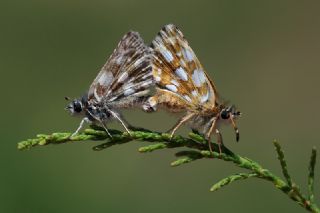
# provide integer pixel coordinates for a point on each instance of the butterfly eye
(77, 106)
(237, 113)
(224, 114)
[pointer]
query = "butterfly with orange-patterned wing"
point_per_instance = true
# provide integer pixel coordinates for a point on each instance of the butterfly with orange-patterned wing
(183, 85)
(124, 81)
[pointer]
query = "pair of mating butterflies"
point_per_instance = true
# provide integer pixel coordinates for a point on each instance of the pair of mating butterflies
(170, 66)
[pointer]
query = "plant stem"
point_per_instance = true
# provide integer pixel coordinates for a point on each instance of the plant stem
(199, 150)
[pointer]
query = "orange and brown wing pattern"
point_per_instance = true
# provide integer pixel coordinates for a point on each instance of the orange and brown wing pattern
(178, 72)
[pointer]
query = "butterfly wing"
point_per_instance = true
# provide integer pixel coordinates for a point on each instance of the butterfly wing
(126, 72)
(178, 72)
(134, 79)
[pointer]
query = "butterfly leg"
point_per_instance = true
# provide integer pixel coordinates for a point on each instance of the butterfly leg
(105, 128)
(235, 128)
(122, 121)
(219, 139)
(101, 122)
(208, 136)
(83, 121)
(180, 122)
(217, 132)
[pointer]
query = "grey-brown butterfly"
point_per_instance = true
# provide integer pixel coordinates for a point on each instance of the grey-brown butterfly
(123, 82)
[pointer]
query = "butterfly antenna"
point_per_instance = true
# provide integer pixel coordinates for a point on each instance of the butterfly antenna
(235, 128)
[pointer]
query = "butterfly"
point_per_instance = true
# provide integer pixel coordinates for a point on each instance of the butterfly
(182, 85)
(124, 81)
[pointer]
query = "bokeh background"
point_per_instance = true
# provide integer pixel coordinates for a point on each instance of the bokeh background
(262, 55)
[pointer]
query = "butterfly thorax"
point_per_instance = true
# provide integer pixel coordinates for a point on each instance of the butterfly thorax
(218, 111)
(96, 111)
(208, 111)
(220, 114)
(93, 110)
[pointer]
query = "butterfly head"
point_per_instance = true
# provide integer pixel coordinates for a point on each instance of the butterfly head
(229, 111)
(230, 114)
(76, 107)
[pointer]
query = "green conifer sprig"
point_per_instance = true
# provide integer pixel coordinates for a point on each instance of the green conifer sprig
(197, 148)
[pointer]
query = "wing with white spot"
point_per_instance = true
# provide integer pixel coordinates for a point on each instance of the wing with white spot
(134, 79)
(178, 71)
(126, 72)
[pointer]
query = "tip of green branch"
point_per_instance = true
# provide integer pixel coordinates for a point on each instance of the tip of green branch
(230, 179)
(283, 162)
(153, 147)
(181, 161)
(312, 165)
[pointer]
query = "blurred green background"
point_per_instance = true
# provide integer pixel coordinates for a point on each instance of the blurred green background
(262, 55)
